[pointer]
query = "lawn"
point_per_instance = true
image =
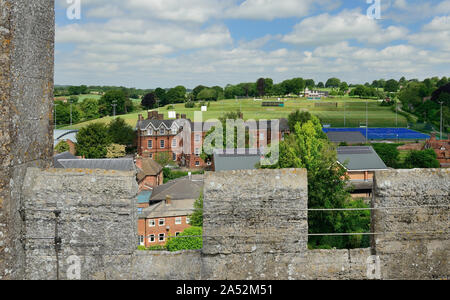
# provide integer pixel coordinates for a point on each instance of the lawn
(355, 112)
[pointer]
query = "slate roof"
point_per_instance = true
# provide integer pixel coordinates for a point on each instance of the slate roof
(64, 155)
(177, 208)
(149, 168)
(350, 137)
(179, 189)
(237, 160)
(360, 158)
(142, 125)
(121, 164)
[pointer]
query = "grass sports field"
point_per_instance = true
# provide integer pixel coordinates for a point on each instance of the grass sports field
(355, 112)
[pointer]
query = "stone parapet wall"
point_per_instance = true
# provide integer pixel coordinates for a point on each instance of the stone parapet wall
(26, 99)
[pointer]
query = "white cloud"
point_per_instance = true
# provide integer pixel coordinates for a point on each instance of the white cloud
(328, 29)
(436, 34)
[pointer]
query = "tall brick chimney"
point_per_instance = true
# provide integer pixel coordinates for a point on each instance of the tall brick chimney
(160, 117)
(168, 200)
(183, 116)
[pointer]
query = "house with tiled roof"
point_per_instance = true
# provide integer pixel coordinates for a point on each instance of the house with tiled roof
(442, 149)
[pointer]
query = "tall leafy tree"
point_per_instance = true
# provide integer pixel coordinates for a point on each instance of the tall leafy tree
(89, 108)
(93, 140)
(149, 101)
(307, 148)
(261, 87)
(333, 83)
(113, 97)
(120, 132)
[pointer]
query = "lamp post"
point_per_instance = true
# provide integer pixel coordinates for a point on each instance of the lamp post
(367, 121)
(114, 107)
(55, 105)
(441, 123)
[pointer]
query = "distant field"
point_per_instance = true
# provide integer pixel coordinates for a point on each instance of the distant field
(81, 98)
(355, 111)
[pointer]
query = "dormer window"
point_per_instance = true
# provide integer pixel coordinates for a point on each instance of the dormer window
(150, 132)
(174, 130)
(161, 131)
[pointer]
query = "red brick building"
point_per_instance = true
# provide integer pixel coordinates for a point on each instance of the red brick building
(156, 136)
(150, 173)
(442, 149)
(171, 205)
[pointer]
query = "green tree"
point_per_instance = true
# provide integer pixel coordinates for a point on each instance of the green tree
(307, 147)
(177, 94)
(333, 83)
(114, 97)
(93, 140)
(421, 159)
(197, 216)
(149, 101)
(189, 239)
(161, 97)
(62, 147)
(298, 117)
(391, 86)
(89, 108)
(261, 87)
(388, 153)
(207, 94)
(120, 132)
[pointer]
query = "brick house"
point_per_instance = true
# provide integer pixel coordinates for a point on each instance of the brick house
(150, 173)
(361, 164)
(442, 149)
(156, 135)
(168, 214)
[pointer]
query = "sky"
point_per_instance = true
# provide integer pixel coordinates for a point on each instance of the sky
(164, 43)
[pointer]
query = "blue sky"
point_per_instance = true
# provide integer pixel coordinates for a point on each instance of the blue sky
(163, 43)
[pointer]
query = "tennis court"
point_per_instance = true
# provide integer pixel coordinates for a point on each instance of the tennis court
(385, 133)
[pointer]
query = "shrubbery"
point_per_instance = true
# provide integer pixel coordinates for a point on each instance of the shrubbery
(185, 242)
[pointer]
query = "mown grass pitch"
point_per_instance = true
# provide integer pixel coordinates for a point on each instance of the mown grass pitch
(355, 112)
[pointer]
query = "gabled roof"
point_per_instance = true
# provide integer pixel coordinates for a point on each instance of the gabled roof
(177, 208)
(64, 155)
(148, 167)
(360, 159)
(179, 189)
(120, 164)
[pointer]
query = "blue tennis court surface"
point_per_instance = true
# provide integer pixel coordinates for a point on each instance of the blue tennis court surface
(385, 133)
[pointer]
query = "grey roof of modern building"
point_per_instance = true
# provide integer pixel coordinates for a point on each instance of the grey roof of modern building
(236, 159)
(120, 164)
(360, 158)
(64, 155)
(176, 208)
(179, 189)
(346, 136)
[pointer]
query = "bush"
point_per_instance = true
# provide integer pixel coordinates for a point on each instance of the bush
(189, 104)
(62, 147)
(422, 159)
(157, 248)
(184, 242)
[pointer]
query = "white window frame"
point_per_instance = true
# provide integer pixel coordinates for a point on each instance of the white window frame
(197, 163)
(198, 137)
(152, 223)
(178, 221)
(152, 238)
(188, 220)
(162, 131)
(150, 132)
(174, 130)
(163, 222)
(162, 143)
(174, 156)
(141, 240)
(197, 151)
(163, 237)
(174, 143)
(150, 144)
